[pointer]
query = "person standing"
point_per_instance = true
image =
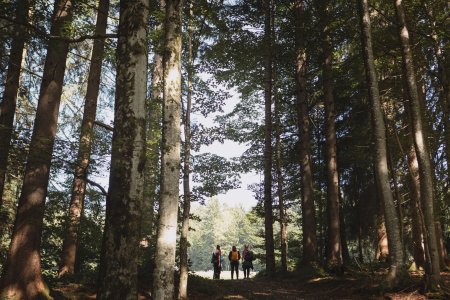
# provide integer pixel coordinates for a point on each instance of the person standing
(247, 258)
(217, 262)
(234, 256)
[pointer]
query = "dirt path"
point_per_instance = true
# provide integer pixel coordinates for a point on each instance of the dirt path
(348, 287)
(324, 288)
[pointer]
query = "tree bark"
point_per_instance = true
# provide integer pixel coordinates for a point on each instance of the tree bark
(22, 277)
(397, 264)
(345, 251)
(69, 248)
(307, 190)
(280, 190)
(126, 183)
(420, 145)
(8, 104)
(182, 290)
(334, 247)
(163, 277)
(443, 79)
(444, 100)
(154, 107)
(418, 237)
(397, 196)
(268, 202)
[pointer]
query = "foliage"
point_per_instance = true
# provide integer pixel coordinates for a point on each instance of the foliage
(219, 224)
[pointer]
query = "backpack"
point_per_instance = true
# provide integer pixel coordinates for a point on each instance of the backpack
(248, 256)
(214, 259)
(234, 256)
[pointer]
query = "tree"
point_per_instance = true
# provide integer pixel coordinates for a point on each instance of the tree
(307, 191)
(8, 104)
(163, 276)
(416, 211)
(334, 248)
(154, 107)
(397, 264)
(268, 205)
(420, 145)
(280, 190)
(22, 277)
(442, 73)
(182, 294)
(84, 152)
(119, 263)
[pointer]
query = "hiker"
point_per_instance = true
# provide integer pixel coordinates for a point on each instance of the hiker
(247, 258)
(234, 258)
(217, 262)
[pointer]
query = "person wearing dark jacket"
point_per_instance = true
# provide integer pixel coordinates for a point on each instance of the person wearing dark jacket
(247, 258)
(217, 262)
(234, 258)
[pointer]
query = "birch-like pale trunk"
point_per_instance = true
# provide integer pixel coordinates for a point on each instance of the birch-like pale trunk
(425, 170)
(163, 276)
(308, 209)
(9, 101)
(124, 201)
(397, 263)
(69, 248)
(22, 278)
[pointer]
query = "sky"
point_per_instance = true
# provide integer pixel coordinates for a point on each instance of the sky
(229, 149)
(241, 196)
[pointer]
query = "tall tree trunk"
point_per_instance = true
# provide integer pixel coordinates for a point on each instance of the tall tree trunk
(163, 276)
(417, 224)
(397, 196)
(423, 158)
(154, 107)
(345, 251)
(308, 210)
(126, 183)
(419, 252)
(444, 82)
(8, 104)
(428, 132)
(268, 210)
(182, 291)
(444, 99)
(397, 264)
(334, 256)
(278, 165)
(69, 248)
(22, 277)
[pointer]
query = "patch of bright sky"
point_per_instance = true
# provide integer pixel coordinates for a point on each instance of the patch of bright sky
(229, 149)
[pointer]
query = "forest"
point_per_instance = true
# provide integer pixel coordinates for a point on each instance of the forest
(108, 109)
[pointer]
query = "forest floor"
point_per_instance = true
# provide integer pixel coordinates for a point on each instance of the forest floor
(358, 285)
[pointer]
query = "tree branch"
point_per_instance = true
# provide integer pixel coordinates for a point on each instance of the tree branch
(55, 37)
(104, 193)
(84, 37)
(107, 127)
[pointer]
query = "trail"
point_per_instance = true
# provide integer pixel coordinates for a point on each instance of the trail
(347, 287)
(362, 286)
